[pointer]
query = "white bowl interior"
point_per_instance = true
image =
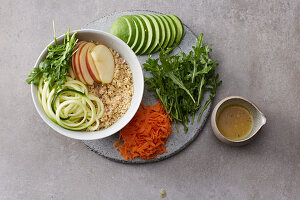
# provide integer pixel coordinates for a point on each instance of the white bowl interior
(138, 83)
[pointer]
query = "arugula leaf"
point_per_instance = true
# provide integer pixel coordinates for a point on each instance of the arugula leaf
(34, 76)
(181, 80)
(57, 63)
(178, 82)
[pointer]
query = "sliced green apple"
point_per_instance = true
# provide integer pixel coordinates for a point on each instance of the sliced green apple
(144, 35)
(138, 33)
(168, 31)
(172, 28)
(179, 28)
(132, 30)
(120, 28)
(162, 30)
(156, 33)
(151, 34)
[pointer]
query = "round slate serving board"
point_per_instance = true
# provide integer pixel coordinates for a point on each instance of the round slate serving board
(177, 141)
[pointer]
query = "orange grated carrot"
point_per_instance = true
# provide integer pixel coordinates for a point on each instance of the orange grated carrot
(146, 134)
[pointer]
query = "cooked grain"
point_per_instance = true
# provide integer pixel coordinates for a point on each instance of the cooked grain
(116, 96)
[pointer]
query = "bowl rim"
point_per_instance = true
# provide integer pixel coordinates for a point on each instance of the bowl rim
(214, 126)
(121, 122)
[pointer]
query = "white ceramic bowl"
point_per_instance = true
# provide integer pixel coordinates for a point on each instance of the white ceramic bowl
(138, 83)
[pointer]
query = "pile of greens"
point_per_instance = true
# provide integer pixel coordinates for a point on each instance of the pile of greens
(181, 80)
(56, 65)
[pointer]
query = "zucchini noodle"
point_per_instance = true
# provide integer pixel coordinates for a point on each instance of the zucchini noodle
(72, 107)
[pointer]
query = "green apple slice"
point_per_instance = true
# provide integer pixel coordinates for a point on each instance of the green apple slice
(167, 31)
(172, 28)
(151, 35)
(179, 28)
(132, 29)
(157, 33)
(120, 28)
(162, 32)
(138, 32)
(144, 34)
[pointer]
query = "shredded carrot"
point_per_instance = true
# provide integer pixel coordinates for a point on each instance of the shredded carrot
(146, 134)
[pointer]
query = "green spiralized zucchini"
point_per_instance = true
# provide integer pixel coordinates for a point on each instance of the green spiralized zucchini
(72, 107)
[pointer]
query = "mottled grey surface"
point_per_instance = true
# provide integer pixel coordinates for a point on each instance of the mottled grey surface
(176, 141)
(257, 44)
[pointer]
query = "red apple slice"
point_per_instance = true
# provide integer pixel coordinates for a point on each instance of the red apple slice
(82, 64)
(76, 64)
(104, 62)
(77, 67)
(91, 66)
(73, 57)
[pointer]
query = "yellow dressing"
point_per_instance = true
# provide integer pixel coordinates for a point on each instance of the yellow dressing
(235, 122)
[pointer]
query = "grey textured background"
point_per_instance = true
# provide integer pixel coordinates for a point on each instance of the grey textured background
(258, 46)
